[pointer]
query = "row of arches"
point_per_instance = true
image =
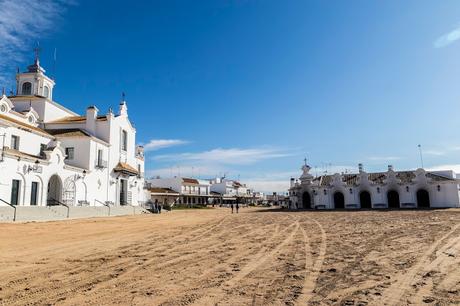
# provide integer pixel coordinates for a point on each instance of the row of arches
(365, 199)
(40, 192)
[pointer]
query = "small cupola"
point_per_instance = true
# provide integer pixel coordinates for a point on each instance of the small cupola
(34, 81)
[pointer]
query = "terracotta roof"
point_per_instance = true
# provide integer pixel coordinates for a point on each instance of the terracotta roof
(377, 178)
(190, 181)
(69, 133)
(350, 179)
(124, 167)
(162, 190)
(25, 126)
(405, 177)
(74, 119)
(69, 119)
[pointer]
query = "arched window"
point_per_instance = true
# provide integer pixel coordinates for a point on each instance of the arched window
(46, 92)
(27, 88)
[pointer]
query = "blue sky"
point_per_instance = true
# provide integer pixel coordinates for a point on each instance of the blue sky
(249, 88)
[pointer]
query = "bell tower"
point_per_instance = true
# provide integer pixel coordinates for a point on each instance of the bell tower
(34, 81)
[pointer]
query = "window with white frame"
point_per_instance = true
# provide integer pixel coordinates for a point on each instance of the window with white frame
(124, 140)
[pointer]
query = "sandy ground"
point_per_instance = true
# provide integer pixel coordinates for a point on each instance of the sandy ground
(259, 257)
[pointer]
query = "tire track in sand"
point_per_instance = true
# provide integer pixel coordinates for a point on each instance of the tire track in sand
(58, 291)
(213, 296)
(311, 275)
(393, 294)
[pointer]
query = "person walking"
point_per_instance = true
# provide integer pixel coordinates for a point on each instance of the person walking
(231, 206)
(237, 207)
(159, 208)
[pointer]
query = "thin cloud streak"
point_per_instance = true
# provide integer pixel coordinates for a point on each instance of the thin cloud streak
(22, 23)
(233, 156)
(384, 158)
(448, 38)
(157, 144)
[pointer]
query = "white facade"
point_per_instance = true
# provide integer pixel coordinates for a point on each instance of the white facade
(190, 190)
(390, 189)
(51, 155)
(231, 190)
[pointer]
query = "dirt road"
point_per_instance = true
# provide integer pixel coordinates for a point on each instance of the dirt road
(259, 257)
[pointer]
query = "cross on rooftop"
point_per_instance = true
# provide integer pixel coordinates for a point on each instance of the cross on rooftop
(37, 51)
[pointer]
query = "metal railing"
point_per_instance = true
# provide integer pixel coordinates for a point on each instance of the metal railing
(54, 202)
(105, 204)
(13, 206)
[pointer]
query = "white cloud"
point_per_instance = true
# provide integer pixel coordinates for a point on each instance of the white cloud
(448, 38)
(233, 156)
(434, 152)
(157, 144)
(384, 158)
(268, 186)
(454, 167)
(22, 23)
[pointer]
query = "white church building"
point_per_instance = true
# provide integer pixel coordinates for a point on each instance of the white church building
(51, 155)
(390, 189)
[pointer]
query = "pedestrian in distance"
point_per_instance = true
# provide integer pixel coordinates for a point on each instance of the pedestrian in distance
(237, 207)
(159, 208)
(231, 206)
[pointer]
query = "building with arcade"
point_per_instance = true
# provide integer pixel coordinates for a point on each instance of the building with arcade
(362, 190)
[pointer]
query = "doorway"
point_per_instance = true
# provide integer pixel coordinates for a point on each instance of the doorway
(339, 200)
(34, 194)
(423, 199)
(15, 187)
(54, 190)
(365, 200)
(393, 199)
(306, 200)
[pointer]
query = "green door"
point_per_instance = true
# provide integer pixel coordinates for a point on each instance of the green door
(34, 194)
(15, 192)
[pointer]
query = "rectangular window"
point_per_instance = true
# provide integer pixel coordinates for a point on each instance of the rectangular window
(42, 149)
(99, 157)
(34, 194)
(15, 142)
(70, 153)
(15, 192)
(124, 140)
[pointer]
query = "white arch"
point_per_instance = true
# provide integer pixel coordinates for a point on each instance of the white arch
(59, 187)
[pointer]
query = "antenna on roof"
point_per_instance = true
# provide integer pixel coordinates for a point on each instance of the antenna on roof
(421, 155)
(3, 91)
(123, 96)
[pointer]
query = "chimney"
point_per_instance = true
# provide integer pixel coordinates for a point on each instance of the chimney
(91, 117)
(360, 168)
(390, 167)
(292, 182)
